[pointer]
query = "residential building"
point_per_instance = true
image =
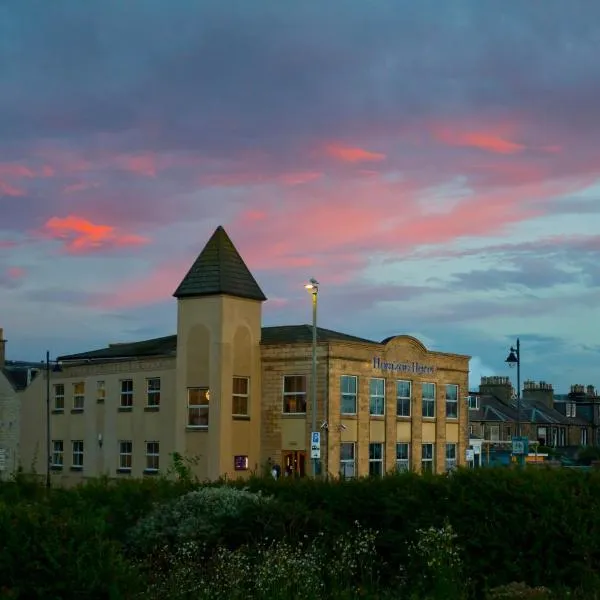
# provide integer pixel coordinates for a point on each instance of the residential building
(234, 395)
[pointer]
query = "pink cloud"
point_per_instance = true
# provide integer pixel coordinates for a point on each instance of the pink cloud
(351, 154)
(483, 140)
(80, 187)
(15, 272)
(10, 190)
(80, 236)
(247, 178)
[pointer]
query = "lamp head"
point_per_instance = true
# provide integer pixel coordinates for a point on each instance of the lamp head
(312, 286)
(512, 359)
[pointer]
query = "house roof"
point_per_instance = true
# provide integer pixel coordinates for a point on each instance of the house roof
(20, 374)
(219, 269)
(167, 346)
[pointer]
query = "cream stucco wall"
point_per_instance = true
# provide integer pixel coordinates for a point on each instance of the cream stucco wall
(9, 428)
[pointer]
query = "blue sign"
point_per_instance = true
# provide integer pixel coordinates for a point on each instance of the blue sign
(316, 438)
(520, 446)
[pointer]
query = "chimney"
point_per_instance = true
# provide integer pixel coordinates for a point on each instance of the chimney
(539, 390)
(2, 349)
(497, 386)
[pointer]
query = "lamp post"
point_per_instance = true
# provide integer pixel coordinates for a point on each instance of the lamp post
(313, 288)
(55, 369)
(514, 360)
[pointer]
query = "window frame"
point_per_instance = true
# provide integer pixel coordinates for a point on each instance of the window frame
(344, 395)
(57, 453)
(125, 454)
(126, 394)
(238, 396)
(428, 460)
(205, 406)
(345, 463)
(404, 399)
(100, 391)
(303, 395)
(428, 401)
(473, 401)
(452, 401)
(78, 452)
(379, 398)
(583, 437)
(58, 396)
(403, 464)
(153, 393)
(374, 461)
(154, 455)
(451, 461)
(79, 395)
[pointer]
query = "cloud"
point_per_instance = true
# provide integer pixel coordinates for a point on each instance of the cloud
(478, 139)
(80, 236)
(352, 154)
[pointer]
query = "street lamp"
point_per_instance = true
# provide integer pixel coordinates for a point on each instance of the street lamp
(514, 360)
(312, 287)
(54, 367)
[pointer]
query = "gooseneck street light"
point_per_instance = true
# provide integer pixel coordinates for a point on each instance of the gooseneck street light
(54, 367)
(514, 360)
(313, 288)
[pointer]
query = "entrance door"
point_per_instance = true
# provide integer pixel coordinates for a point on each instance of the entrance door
(294, 464)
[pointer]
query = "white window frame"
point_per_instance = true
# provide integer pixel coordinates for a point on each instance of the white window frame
(428, 460)
(203, 407)
(493, 433)
(451, 456)
(562, 436)
(58, 453)
(125, 455)
(77, 454)
(348, 465)
(583, 436)
(452, 401)
(240, 397)
(545, 436)
(571, 409)
(79, 395)
(152, 456)
(376, 400)
(428, 401)
(402, 401)
(153, 393)
(473, 402)
(126, 394)
(348, 396)
(100, 391)
(380, 460)
(402, 463)
(59, 398)
(298, 396)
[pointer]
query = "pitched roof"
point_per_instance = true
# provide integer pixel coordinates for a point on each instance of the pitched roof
(219, 269)
(166, 346)
(20, 375)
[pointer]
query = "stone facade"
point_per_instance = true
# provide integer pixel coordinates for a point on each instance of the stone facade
(9, 428)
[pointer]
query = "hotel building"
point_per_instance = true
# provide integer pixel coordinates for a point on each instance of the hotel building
(234, 396)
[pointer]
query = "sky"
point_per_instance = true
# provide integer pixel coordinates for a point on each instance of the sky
(435, 165)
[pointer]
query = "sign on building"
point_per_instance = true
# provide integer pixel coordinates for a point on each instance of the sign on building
(315, 444)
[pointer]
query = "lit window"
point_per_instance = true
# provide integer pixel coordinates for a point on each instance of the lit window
(294, 394)
(239, 401)
(198, 407)
(78, 395)
(100, 391)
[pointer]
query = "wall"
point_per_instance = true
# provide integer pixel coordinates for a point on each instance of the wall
(9, 427)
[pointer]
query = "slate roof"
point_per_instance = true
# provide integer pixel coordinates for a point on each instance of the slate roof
(219, 269)
(166, 346)
(18, 374)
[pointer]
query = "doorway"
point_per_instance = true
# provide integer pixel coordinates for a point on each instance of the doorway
(294, 464)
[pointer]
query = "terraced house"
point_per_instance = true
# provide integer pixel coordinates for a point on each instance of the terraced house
(235, 396)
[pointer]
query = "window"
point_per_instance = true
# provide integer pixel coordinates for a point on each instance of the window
(571, 409)
(78, 395)
(58, 451)
(584, 436)
(100, 391)
(428, 400)
(473, 402)
(198, 407)
(492, 433)
(471, 429)
(554, 437)
(239, 402)
(347, 460)
(152, 456)
(403, 394)
(59, 396)
(450, 457)
(427, 458)
(402, 456)
(541, 435)
(153, 392)
(125, 455)
(562, 437)
(349, 391)
(376, 460)
(451, 401)
(377, 397)
(240, 462)
(77, 458)
(126, 393)
(294, 394)
(508, 433)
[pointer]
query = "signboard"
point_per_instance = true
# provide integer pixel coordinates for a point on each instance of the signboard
(402, 367)
(520, 446)
(315, 444)
(470, 455)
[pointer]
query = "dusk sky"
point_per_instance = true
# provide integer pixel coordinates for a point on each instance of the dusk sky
(434, 164)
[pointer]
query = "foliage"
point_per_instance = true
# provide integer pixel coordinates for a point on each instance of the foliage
(588, 454)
